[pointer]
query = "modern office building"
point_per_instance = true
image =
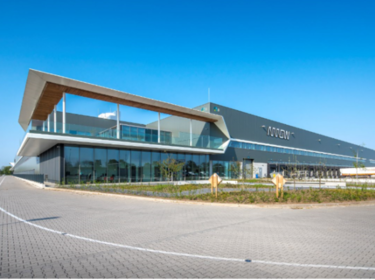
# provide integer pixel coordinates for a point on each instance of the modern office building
(68, 147)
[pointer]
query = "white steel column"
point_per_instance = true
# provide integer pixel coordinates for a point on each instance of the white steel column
(54, 120)
(44, 125)
(158, 127)
(48, 125)
(64, 114)
(191, 132)
(118, 121)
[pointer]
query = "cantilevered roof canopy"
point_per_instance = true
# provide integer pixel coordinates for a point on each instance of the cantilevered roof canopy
(43, 91)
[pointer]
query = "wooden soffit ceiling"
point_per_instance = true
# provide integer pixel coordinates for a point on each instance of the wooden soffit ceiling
(52, 94)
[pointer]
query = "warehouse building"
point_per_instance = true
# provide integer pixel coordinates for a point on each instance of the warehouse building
(75, 148)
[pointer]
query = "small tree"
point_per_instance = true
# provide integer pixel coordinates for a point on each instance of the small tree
(235, 169)
(169, 167)
(292, 169)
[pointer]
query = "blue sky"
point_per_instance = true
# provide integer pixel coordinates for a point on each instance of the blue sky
(310, 64)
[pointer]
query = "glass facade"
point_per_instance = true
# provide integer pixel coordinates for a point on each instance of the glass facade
(226, 169)
(124, 165)
(142, 134)
(266, 148)
(72, 164)
(90, 164)
(100, 166)
(113, 165)
(86, 164)
(131, 133)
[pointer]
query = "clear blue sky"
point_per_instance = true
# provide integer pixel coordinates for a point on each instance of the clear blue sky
(310, 64)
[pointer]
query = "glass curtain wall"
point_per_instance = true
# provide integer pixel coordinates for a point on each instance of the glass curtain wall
(155, 166)
(223, 169)
(189, 167)
(89, 164)
(100, 165)
(124, 168)
(86, 156)
(135, 166)
(113, 166)
(163, 157)
(180, 174)
(195, 167)
(146, 166)
(71, 165)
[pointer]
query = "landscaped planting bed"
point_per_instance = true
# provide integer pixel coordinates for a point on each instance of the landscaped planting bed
(234, 193)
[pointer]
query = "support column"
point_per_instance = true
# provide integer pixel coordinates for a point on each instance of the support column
(48, 125)
(118, 121)
(54, 120)
(158, 127)
(44, 126)
(191, 132)
(64, 114)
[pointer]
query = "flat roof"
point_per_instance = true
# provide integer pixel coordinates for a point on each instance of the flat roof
(43, 91)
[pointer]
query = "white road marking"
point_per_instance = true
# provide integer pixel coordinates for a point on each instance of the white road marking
(179, 254)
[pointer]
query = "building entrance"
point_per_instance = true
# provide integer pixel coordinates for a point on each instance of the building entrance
(248, 168)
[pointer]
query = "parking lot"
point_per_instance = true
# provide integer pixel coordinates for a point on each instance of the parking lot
(46, 233)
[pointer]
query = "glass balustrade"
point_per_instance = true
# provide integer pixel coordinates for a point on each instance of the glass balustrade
(130, 133)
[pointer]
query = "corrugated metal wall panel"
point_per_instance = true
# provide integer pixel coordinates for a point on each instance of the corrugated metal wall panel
(50, 164)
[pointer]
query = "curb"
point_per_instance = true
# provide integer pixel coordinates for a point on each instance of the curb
(255, 206)
(32, 183)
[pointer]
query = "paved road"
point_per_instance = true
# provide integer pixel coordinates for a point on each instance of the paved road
(128, 237)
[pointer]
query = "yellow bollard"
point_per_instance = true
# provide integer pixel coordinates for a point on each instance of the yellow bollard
(215, 181)
(279, 183)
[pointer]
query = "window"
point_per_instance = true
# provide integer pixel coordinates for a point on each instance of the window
(181, 158)
(135, 166)
(125, 132)
(124, 165)
(146, 166)
(195, 167)
(71, 165)
(86, 164)
(113, 166)
(155, 166)
(148, 135)
(133, 133)
(100, 165)
(141, 134)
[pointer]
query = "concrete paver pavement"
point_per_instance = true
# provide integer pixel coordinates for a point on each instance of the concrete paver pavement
(331, 238)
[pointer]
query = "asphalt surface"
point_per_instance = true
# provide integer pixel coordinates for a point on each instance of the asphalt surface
(48, 234)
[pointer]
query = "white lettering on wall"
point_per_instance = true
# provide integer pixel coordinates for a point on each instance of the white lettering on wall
(278, 133)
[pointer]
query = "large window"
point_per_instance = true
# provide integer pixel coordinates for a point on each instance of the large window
(86, 164)
(146, 166)
(135, 157)
(235, 144)
(71, 165)
(100, 165)
(89, 164)
(155, 166)
(195, 167)
(189, 174)
(203, 167)
(180, 174)
(163, 156)
(226, 169)
(113, 167)
(124, 166)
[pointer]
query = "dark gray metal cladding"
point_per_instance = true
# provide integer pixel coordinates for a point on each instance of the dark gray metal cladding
(249, 127)
(51, 163)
